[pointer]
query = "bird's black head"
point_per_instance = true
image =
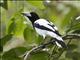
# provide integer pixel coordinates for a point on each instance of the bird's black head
(32, 16)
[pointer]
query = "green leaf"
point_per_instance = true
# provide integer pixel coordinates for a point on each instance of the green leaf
(1, 47)
(11, 27)
(38, 4)
(29, 35)
(73, 55)
(10, 55)
(16, 25)
(39, 39)
(76, 31)
(5, 39)
(76, 27)
(41, 55)
(67, 19)
(0, 57)
(20, 50)
(72, 46)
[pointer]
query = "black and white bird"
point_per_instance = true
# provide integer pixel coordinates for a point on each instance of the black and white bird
(45, 28)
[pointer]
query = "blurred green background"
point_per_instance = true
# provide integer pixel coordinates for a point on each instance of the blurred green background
(18, 36)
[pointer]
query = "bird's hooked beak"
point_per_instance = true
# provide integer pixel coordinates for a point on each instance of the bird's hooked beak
(26, 13)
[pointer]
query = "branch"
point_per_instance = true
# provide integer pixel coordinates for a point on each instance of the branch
(36, 48)
(52, 41)
(28, 53)
(71, 36)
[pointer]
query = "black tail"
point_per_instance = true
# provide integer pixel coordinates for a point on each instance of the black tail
(63, 45)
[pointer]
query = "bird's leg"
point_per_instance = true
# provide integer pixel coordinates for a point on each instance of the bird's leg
(47, 41)
(43, 43)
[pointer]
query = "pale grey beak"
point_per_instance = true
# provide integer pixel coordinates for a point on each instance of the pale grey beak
(26, 13)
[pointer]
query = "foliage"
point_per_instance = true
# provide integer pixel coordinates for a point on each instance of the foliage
(18, 37)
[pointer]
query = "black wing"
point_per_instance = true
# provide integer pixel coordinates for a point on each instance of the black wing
(55, 29)
(45, 28)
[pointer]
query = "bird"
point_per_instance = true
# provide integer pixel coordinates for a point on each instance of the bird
(45, 28)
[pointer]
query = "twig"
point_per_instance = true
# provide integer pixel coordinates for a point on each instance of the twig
(28, 53)
(71, 36)
(36, 48)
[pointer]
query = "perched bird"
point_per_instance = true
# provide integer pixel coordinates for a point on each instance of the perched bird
(45, 28)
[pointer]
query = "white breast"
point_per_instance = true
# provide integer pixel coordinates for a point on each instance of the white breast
(41, 32)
